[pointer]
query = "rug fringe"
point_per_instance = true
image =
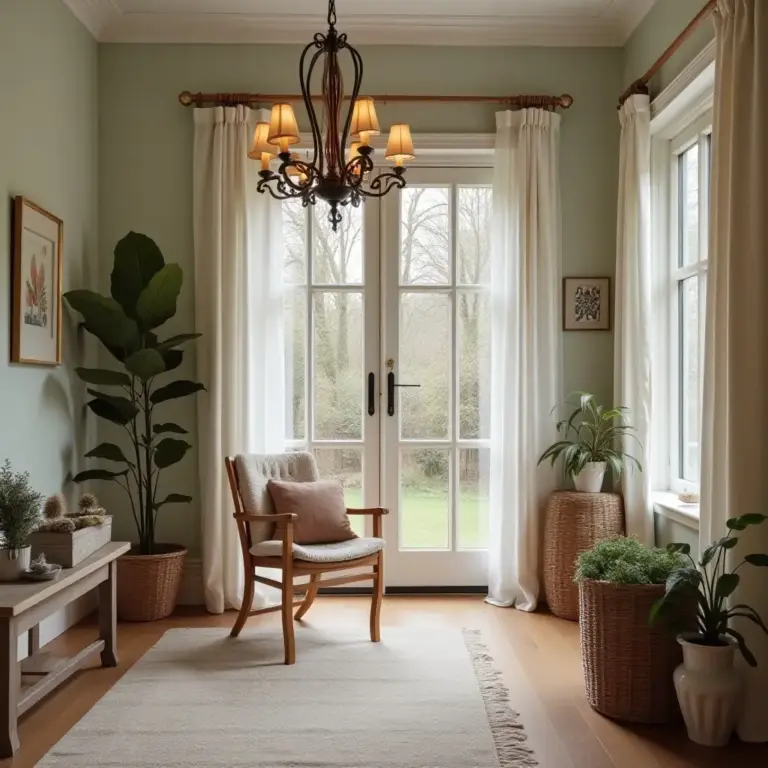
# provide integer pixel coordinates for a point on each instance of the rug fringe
(508, 734)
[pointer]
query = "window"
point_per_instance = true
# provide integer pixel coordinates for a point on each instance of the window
(686, 295)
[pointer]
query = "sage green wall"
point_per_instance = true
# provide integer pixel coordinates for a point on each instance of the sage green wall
(145, 161)
(48, 137)
(658, 29)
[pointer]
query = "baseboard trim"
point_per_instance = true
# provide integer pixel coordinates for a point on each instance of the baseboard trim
(457, 590)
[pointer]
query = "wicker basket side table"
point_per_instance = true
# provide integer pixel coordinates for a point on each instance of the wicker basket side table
(574, 523)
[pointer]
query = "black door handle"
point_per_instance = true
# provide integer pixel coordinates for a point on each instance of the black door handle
(371, 394)
(391, 392)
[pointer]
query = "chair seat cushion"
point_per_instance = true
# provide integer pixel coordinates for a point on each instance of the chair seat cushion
(337, 552)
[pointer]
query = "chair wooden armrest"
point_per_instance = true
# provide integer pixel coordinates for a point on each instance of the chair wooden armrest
(368, 511)
(289, 517)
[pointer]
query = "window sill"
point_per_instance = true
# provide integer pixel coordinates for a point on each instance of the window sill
(668, 505)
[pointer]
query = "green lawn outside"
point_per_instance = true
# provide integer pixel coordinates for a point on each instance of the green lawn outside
(425, 517)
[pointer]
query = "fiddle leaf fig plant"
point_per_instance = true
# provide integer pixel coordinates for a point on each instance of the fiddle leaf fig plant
(710, 584)
(144, 292)
(591, 433)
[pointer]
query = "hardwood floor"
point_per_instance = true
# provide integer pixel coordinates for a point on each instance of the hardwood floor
(537, 653)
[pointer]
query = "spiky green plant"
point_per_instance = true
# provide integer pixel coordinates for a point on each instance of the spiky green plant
(624, 560)
(592, 433)
(709, 584)
(144, 293)
(19, 507)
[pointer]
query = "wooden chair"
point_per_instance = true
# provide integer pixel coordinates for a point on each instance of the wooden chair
(255, 518)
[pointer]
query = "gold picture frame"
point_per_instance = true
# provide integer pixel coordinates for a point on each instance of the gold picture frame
(36, 259)
(587, 304)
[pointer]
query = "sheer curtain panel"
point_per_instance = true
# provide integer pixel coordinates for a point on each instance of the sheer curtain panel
(525, 346)
(735, 440)
(632, 349)
(238, 310)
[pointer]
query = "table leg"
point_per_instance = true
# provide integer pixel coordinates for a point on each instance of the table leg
(33, 640)
(9, 685)
(108, 617)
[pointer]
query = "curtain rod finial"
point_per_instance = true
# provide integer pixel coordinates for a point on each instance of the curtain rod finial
(185, 98)
(566, 101)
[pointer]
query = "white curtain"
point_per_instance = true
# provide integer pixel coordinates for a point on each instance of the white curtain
(525, 351)
(238, 309)
(735, 439)
(632, 350)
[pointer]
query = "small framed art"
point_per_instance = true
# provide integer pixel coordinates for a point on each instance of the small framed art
(586, 304)
(36, 285)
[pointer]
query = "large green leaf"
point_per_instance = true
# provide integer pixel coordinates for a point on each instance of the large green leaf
(169, 427)
(745, 652)
(761, 560)
(125, 405)
(98, 474)
(103, 378)
(108, 411)
(108, 451)
(683, 549)
(175, 341)
(743, 522)
(173, 498)
(726, 584)
(137, 259)
(180, 388)
(172, 359)
(145, 363)
(105, 319)
(170, 451)
(157, 302)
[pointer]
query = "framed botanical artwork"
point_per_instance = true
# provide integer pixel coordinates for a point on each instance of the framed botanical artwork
(587, 304)
(36, 285)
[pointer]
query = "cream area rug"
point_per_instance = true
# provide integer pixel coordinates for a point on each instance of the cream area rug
(200, 699)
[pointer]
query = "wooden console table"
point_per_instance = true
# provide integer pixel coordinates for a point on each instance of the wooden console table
(23, 605)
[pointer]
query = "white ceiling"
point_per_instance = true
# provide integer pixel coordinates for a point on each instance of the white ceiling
(423, 22)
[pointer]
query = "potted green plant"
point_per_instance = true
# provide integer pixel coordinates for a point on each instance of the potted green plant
(590, 441)
(19, 516)
(144, 291)
(627, 663)
(708, 685)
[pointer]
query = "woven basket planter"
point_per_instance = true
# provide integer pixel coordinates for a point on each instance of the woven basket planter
(148, 585)
(628, 664)
(574, 523)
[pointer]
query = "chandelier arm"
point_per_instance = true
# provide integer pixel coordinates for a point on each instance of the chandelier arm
(357, 61)
(317, 142)
(265, 186)
(394, 181)
(365, 165)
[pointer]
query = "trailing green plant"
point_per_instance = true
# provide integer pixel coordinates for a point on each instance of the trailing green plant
(711, 584)
(624, 560)
(592, 433)
(19, 507)
(144, 291)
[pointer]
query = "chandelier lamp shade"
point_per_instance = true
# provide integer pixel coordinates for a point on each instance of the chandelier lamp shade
(339, 168)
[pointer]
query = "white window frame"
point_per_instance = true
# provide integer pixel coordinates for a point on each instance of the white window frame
(681, 115)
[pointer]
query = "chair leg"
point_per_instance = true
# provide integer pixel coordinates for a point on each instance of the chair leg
(245, 608)
(287, 611)
(376, 599)
(309, 599)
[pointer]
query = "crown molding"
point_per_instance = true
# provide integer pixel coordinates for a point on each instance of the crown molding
(629, 16)
(96, 15)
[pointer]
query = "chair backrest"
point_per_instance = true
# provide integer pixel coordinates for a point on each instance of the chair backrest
(252, 472)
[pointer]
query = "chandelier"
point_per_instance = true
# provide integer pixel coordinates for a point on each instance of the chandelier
(339, 175)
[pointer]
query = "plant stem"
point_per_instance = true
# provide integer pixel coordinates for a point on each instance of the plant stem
(149, 527)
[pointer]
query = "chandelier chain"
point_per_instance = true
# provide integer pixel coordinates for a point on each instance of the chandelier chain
(332, 13)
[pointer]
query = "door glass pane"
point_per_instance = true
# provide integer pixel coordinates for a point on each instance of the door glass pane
(689, 206)
(474, 338)
(425, 232)
(295, 334)
(424, 498)
(425, 359)
(690, 382)
(474, 488)
(338, 256)
(338, 365)
(346, 466)
(474, 235)
(294, 217)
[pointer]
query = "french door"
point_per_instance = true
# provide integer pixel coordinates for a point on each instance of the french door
(387, 351)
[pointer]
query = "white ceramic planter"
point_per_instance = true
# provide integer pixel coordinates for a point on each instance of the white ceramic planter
(13, 562)
(590, 479)
(709, 690)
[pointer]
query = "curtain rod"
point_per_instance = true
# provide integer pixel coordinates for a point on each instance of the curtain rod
(188, 99)
(641, 85)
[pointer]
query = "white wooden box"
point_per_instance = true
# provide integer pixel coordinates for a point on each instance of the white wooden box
(69, 549)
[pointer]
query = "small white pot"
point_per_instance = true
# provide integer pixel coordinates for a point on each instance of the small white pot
(13, 562)
(590, 479)
(709, 690)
